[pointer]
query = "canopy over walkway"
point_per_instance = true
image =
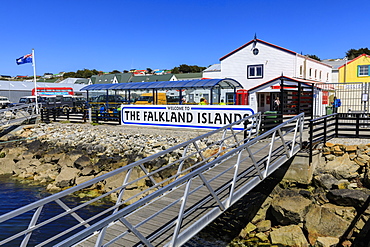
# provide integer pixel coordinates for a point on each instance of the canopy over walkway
(168, 85)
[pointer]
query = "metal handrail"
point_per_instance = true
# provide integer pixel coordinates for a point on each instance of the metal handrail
(269, 165)
(16, 114)
(230, 137)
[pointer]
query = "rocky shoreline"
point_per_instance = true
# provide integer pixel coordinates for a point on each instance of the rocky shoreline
(61, 155)
(331, 209)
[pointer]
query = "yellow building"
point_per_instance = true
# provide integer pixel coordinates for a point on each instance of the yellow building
(356, 70)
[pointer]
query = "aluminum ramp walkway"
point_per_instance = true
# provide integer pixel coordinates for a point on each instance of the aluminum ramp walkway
(17, 114)
(182, 197)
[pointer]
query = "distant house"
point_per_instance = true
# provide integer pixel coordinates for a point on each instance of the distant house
(356, 70)
(139, 72)
(61, 74)
(48, 75)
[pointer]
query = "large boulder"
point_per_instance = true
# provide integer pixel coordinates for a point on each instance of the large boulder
(6, 166)
(82, 161)
(289, 236)
(342, 167)
(14, 153)
(66, 177)
(65, 160)
(326, 242)
(326, 181)
(289, 207)
(323, 222)
(348, 197)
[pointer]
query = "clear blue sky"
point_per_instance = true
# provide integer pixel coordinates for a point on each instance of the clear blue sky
(120, 35)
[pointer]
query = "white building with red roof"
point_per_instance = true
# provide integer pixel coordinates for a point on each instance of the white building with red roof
(261, 67)
(258, 61)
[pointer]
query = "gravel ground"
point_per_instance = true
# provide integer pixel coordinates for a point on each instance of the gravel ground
(349, 141)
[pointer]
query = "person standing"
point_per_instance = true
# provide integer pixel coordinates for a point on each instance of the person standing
(277, 104)
(336, 103)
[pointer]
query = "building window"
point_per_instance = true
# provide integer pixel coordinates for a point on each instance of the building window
(301, 70)
(255, 71)
(363, 70)
(310, 73)
(320, 75)
(315, 74)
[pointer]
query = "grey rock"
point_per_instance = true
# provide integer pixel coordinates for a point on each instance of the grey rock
(323, 222)
(326, 181)
(348, 197)
(289, 236)
(7, 166)
(289, 207)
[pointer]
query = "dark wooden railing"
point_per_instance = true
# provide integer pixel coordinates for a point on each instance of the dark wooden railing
(338, 125)
(59, 114)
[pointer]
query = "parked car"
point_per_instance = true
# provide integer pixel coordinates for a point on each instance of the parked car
(110, 98)
(4, 102)
(69, 103)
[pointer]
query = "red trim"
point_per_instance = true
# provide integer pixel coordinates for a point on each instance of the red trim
(278, 78)
(354, 60)
(278, 87)
(256, 40)
(53, 91)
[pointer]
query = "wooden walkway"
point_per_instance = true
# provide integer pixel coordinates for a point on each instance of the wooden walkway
(159, 226)
(164, 202)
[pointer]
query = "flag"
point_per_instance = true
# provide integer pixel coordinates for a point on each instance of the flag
(24, 59)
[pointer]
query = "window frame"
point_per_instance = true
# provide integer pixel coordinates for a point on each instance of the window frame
(359, 70)
(255, 68)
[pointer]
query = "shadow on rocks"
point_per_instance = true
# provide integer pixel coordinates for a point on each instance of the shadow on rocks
(228, 225)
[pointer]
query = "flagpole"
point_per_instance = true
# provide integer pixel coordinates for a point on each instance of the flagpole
(34, 78)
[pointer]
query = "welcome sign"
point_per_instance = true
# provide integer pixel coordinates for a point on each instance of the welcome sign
(188, 116)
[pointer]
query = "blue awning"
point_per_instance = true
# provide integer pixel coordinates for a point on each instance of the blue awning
(168, 85)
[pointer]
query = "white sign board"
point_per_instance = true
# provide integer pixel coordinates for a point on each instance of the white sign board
(185, 116)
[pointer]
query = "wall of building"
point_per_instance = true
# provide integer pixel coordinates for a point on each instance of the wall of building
(276, 62)
(349, 72)
(310, 69)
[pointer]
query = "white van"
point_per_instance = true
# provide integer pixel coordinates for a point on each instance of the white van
(4, 102)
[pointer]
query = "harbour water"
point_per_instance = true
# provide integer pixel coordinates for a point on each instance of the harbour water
(15, 194)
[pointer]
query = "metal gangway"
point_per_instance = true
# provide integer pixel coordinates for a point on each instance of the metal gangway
(177, 199)
(18, 114)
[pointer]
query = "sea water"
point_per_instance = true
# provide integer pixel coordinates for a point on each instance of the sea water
(15, 194)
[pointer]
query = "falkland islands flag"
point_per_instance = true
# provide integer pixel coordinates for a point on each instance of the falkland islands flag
(24, 59)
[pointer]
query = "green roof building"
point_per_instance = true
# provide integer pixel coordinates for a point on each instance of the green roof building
(153, 78)
(189, 76)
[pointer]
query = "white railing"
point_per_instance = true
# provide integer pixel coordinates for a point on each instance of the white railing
(212, 172)
(17, 114)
